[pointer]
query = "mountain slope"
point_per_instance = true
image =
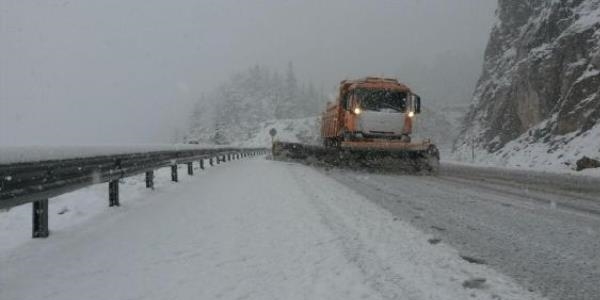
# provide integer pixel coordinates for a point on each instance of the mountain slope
(540, 83)
(235, 110)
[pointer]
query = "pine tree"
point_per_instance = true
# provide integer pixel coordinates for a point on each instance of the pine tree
(290, 104)
(236, 109)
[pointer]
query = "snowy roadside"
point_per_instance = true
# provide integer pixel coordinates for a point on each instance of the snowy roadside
(76, 208)
(558, 155)
(507, 168)
(252, 229)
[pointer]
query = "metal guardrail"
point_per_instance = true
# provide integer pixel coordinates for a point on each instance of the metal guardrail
(36, 182)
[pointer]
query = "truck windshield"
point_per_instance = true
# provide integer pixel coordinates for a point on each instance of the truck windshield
(381, 100)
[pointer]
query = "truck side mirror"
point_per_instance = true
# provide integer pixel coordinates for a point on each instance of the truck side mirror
(417, 104)
(343, 102)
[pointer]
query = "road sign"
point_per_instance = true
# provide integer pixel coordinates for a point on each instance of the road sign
(272, 132)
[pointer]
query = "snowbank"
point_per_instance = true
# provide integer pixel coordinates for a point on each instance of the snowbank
(79, 207)
(558, 154)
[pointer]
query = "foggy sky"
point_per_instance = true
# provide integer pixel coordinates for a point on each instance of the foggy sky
(114, 71)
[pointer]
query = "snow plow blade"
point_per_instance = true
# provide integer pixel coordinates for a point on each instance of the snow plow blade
(388, 157)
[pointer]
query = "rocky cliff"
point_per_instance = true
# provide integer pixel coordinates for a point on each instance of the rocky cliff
(540, 86)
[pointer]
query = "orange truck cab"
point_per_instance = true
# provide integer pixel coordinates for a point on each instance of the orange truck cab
(370, 109)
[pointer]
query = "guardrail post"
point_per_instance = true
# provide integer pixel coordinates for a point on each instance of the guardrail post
(210, 161)
(228, 156)
(174, 173)
(113, 193)
(218, 159)
(190, 168)
(40, 219)
(202, 163)
(150, 179)
(224, 158)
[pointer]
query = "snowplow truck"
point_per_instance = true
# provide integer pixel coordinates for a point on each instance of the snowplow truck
(369, 126)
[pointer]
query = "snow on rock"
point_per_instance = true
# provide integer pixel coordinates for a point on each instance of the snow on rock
(557, 153)
(290, 233)
(540, 85)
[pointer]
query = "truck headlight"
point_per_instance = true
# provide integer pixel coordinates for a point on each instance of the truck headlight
(411, 114)
(357, 111)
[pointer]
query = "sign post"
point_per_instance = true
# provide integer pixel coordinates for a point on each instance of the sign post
(272, 132)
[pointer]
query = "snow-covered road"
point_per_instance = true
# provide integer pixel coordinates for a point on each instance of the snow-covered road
(249, 229)
(548, 239)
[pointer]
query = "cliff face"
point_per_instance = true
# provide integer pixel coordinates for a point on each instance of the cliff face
(540, 81)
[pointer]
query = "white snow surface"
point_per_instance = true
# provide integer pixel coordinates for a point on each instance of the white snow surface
(303, 130)
(18, 154)
(227, 233)
(557, 155)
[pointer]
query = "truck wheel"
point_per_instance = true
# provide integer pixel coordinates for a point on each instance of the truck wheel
(433, 151)
(337, 143)
(347, 136)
